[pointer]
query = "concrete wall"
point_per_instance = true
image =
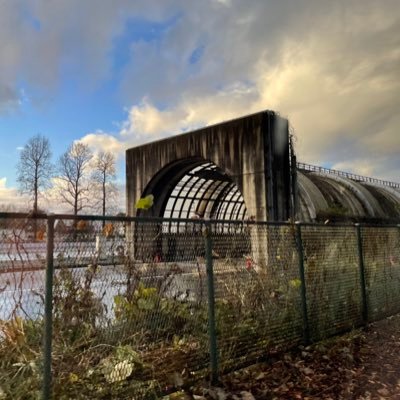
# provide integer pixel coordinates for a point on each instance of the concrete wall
(252, 150)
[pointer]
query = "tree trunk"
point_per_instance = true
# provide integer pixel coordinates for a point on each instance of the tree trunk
(35, 206)
(104, 201)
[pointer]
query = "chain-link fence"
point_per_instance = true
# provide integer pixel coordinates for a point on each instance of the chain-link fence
(332, 278)
(381, 254)
(124, 307)
(257, 296)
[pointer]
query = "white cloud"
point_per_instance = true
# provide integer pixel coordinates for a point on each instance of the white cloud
(332, 68)
(101, 141)
(145, 121)
(10, 198)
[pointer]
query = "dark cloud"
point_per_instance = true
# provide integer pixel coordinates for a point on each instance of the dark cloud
(41, 41)
(9, 99)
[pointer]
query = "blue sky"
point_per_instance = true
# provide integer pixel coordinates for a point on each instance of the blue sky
(73, 108)
(118, 74)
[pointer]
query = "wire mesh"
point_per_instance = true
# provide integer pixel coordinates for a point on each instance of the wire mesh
(381, 249)
(130, 314)
(332, 279)
(22, 263)
(131, 301)
(257, 288)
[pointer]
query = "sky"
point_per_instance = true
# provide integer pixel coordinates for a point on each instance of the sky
(115, 74)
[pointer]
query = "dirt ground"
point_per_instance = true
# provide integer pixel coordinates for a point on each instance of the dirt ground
(364, 365)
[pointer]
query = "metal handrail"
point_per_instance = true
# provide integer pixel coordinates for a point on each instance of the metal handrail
(354, 177)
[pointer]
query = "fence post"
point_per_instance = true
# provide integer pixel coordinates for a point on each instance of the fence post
(48, 310)
(361, 267)
(211, 305)
(306, 325)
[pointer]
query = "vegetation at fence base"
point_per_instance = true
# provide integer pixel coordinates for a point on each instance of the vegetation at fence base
(147, 343)
(150, 342)
(20, 358)
(256, 312)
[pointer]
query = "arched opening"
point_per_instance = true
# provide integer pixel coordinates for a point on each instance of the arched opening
(195, 189)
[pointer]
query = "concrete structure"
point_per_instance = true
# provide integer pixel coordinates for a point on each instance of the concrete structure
(339, 196)
(240, 169)
(232, 170)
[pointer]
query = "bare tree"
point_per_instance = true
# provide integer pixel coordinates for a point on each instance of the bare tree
(104, 175)
(74, 170)
(34, 169)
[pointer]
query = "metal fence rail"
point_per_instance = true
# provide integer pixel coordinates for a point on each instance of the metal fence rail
(95, 307)
(349, 175)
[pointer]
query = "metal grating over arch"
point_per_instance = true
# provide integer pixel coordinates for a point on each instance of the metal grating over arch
(205, 192)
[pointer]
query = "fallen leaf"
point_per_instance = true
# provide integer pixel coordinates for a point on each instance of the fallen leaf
(218, 393)
(383, 392)
(307, 371)
(260, 376)
(247, 395)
